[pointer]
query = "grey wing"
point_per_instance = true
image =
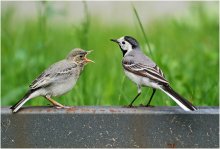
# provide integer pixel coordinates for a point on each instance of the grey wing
(51, 74)
(151, 71)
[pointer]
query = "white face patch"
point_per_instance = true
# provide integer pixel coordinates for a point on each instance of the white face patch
(125, 46)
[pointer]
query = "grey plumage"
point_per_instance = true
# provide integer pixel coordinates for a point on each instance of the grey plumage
(58, 79)
(135, 61)
(144, 72)
(58, 74)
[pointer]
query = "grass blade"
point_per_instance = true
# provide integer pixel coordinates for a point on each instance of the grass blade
(142, 28)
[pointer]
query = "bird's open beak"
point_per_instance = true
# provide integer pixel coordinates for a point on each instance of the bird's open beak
(89, 51)
(114, 40)
(86, 59)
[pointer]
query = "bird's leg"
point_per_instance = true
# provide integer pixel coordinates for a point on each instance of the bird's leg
(148, 104)
(139, 92)
(58, 105)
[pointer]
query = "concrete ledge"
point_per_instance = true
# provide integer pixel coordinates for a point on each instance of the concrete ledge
(158, 127)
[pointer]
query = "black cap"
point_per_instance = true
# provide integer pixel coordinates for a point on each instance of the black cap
(132, 41)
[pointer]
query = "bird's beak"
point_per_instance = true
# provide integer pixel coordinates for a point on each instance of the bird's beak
(89, 51)
(114, 40)
(86, 59)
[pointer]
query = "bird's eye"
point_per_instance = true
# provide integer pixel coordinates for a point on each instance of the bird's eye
(81, 56)
(123, 42)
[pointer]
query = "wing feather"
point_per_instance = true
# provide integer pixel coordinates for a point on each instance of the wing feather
(52, 73)
(140, 69)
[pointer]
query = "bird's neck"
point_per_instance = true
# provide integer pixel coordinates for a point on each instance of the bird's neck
(130, 51)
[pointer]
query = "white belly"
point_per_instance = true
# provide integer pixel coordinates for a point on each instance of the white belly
(142, 81)
(62, 87)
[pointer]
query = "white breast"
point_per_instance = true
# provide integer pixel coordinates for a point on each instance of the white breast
(143, 81)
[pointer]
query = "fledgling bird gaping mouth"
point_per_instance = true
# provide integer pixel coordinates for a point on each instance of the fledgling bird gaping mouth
(86, 59)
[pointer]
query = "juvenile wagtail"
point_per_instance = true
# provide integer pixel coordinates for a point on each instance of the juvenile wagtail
(144, 72)
(58, 79)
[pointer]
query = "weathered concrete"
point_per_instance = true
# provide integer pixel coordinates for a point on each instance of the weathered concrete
(110, 127)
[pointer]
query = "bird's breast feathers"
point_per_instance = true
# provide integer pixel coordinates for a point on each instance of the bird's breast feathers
(60, 88)
(143, 81)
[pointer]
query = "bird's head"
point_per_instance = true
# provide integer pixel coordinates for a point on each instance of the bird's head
(79, 56)
(127, 44)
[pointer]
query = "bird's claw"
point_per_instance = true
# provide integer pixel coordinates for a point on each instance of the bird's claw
(141, 105)
(66, 107)
(129, 106)
(58, 107)
(62, 107)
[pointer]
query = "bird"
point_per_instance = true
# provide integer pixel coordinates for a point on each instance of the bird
(56, 80)
(145, 73)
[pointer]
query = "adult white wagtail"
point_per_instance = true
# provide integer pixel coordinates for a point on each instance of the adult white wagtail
(144, 72)
(58, 79)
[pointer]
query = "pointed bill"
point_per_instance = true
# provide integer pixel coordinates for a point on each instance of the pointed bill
(114, 40)
(86, 59)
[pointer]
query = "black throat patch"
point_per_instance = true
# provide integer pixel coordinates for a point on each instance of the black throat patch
(123, 51)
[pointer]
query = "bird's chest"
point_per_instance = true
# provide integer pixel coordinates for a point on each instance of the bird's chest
(133, 77)
(139, 80)
(65, 84)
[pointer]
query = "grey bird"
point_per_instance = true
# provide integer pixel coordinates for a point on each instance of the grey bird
(144, 72)
(58, 79)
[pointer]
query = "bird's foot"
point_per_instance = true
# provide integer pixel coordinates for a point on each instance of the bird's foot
(141, 105)
(66, 107)
(129, 106)
(59, 107)
(62, 107)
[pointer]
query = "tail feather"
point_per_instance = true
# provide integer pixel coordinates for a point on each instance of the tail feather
(21, 102)
(182, 102)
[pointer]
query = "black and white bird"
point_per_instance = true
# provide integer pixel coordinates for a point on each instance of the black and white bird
(144, 72)
(58, 79)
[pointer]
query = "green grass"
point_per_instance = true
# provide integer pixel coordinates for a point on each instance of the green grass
(185, 48)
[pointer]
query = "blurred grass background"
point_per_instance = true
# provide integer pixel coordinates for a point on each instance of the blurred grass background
(185, 48)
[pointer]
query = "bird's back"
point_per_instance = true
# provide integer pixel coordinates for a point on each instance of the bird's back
(140, 58)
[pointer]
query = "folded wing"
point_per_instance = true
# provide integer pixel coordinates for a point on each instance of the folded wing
(59, 69)
(154, 73)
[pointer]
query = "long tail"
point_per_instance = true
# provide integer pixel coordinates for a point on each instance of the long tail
(21, 102)
(182, 102)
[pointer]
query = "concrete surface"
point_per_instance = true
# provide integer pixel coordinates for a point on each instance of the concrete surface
(158, 127)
